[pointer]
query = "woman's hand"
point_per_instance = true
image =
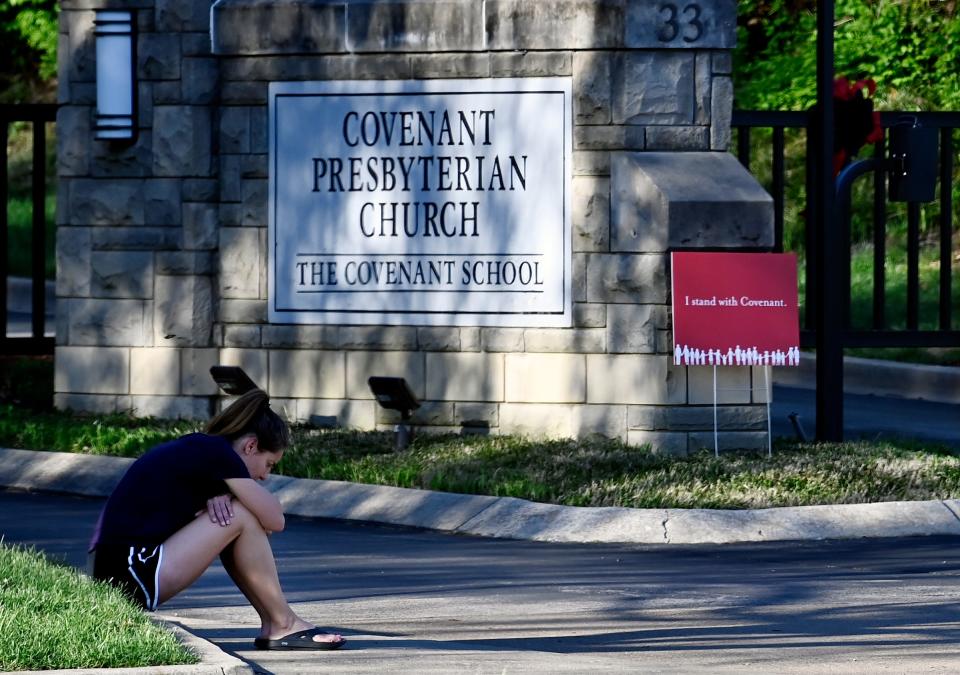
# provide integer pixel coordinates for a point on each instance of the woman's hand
(220, 509)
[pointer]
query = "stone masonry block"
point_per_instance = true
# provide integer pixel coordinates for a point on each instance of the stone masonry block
(349, 414)
(106, 202)
(81, 46)
(121, 274)
(430, 413)
(609, 421)
(98, 404)
(609, 137)
(581, 341)
(307, 374)
(722, 117)
(184, 262)
(73, 141)
(200, 226)
(696, 418)
(154, 371)
(195, 367)
(182, 140)
(762, 384)
(235, 129)
(135, 238)
(92, 370)
(591, 162)
(592, 86)
(247, 27)
(470, 339)
(107, 321)
(73, 261)
(253, 361)
(531, 64)
(464, 377)
(677, 138)
(427, 66)
(414, 25)
(502, 339)
(158, 56)
(184, 311)
(554, 24)
(653, 87)
(242, 336)
(589, 315)
(240, 258)
(438, 339)
(258, 131)
(162, 201)
(128, 161)
(633, 328)
(728, 440)
(703, 78)
(476, 414)
(627, 278)
(634, 379)
(183, 15)
(201, 190)
(660, 442)
(733, 384)
(302, 337)
(545, 378)
(173, 407)
(537, 420)
(697, 199)
(362, 365)
(387, 338)
(591, 213)
(242, 311)
(253, 199)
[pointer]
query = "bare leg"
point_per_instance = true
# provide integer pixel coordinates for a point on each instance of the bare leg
(248, 559)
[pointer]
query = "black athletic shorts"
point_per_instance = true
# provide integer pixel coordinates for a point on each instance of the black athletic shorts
(133, 569)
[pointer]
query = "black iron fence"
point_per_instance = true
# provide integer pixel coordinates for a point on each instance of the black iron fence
(883, 330)
(33, 341)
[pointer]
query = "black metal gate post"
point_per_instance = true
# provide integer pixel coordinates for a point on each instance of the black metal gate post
(829, 246)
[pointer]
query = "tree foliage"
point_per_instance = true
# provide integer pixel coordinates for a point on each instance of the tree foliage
(911, 48)
(28, 60)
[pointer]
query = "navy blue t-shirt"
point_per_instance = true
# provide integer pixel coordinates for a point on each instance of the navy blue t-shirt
(163, 490)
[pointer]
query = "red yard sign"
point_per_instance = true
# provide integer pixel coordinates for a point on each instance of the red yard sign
(735, 309)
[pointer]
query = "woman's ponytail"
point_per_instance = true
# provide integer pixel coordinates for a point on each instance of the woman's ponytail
(251, 414)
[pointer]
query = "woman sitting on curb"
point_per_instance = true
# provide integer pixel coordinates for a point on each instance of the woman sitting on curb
(189, 500)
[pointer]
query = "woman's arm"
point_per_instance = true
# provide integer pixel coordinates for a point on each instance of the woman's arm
(259, 501)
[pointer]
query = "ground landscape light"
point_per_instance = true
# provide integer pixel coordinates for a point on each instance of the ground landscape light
(116, 77)
(393, 393)
(232, 379)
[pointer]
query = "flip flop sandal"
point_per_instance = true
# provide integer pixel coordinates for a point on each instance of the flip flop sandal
(302, 640)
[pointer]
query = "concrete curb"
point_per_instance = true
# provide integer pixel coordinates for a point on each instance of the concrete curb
(510, 518)
(940, 384)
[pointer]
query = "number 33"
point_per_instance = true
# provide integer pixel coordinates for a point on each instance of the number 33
(693, 28)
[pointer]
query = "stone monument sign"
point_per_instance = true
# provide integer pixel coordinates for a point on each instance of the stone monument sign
(479, 197)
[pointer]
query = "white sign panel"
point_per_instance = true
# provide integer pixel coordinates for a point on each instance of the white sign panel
(441, 202)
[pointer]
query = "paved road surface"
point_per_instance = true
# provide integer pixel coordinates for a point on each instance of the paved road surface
(412, 600)
(869, 416)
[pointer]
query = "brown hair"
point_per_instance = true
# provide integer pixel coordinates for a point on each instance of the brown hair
(251, 414)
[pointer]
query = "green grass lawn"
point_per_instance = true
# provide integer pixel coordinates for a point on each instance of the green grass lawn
(51, 616)
(588, 472)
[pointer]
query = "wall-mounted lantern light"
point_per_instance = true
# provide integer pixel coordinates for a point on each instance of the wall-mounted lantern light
(116, 76)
